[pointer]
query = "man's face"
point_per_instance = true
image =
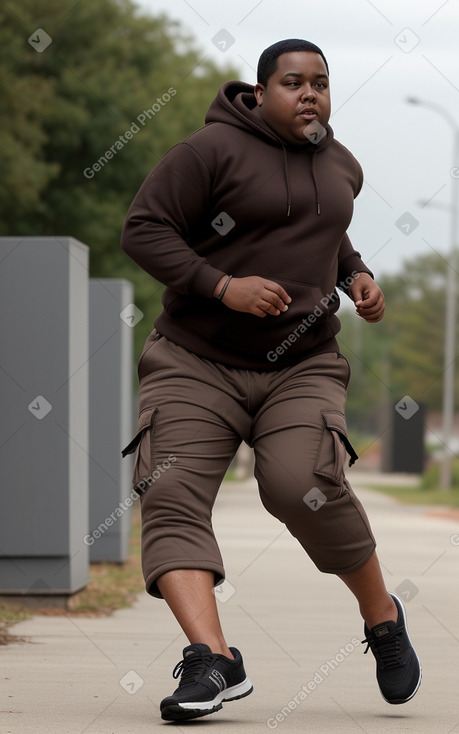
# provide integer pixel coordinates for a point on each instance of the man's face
(296, 94)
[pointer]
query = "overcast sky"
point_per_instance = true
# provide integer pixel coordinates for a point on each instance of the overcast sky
(379, 53)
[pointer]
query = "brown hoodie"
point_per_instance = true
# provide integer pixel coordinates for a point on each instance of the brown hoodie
(234, 199)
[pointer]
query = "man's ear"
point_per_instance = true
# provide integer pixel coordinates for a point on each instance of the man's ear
(259, 91)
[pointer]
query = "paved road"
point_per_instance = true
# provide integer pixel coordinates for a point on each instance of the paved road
(299, 631)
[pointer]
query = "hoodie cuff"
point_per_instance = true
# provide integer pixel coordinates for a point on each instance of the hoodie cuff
(347, 267)
(205, 280)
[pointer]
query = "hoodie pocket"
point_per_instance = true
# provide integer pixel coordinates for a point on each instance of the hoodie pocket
(334, 447)
(308, 322)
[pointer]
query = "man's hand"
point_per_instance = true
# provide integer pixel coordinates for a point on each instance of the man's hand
(254, 295)
(368, 298)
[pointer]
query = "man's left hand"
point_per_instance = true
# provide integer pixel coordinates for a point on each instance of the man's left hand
(368, 298)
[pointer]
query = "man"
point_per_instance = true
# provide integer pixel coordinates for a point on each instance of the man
(245, 223)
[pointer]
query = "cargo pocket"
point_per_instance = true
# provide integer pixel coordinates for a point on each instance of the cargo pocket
(142, 445)
(334, 447)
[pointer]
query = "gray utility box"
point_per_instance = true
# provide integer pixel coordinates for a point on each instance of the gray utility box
(112, 317)
(44, 427)
(403, 437)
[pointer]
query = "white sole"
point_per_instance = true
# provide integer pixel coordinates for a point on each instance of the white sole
(228, 694)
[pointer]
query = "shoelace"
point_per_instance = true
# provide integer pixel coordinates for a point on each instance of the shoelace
(386, 649)
(191, 668)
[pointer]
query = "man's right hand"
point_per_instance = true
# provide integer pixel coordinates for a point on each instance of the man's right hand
(254, 295)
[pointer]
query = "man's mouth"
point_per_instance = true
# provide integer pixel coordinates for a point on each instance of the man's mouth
(308, 113)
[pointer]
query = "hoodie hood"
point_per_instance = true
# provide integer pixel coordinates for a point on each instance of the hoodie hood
(235, 104)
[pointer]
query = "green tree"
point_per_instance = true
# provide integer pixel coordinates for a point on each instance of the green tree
(416, 320)
(367, 347)
(65, 106)
(402, 354)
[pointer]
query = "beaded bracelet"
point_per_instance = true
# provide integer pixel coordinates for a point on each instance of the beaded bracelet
(223, 290)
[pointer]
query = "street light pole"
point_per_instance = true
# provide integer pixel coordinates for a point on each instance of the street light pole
(450, 322)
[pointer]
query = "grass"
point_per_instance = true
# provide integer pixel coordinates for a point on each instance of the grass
(111, 586)
(416, 496)
(427, 491)
(10, 614)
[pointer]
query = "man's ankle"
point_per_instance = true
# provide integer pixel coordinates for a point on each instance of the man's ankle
(380, 615)
(216, 646)
(222, 650)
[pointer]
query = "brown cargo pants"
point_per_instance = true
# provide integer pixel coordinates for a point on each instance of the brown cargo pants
(193, 415)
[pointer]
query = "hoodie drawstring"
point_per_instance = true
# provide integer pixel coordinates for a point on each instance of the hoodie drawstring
(287, 182)
(314, 179)
(316, 186)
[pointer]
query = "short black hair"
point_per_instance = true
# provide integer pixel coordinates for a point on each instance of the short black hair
(267, 63)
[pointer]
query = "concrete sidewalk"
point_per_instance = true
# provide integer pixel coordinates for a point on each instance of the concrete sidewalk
(298, 630)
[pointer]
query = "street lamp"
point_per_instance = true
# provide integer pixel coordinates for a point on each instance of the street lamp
(450, 324)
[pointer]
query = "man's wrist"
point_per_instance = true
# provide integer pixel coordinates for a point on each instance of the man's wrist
(225, 286)
(219, 286)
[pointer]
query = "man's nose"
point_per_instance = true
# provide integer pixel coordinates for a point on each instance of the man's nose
(308, 92)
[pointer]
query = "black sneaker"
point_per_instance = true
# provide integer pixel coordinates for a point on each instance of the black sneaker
(398, 670)
(207, 680)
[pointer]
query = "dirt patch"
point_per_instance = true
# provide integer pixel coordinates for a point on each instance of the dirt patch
(445, 514)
